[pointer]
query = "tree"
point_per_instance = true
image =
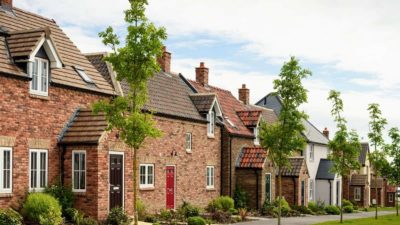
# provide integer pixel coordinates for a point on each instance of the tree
(393, 170)
(285, 136)
(134, 63)
(377, 157)
(345, 146)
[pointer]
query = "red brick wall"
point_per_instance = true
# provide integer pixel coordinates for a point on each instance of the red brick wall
(291, 188)
(24, 117)
(190, 167)
(380, 198)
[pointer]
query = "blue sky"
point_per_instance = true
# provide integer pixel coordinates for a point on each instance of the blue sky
(351, 46)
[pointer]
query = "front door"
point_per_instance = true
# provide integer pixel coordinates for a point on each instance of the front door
(116, 180)
(268, 187)
(170, 187)
(303, 193)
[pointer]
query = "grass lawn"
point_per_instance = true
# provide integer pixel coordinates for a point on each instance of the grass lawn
(372, 209)
(382, 220)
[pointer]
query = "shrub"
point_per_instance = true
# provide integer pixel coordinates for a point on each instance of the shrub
(51, 217)
(141, 210)
(221, 216)
(313, 206)
(346, 203)
(225, 203)
(354, 203)
(41, 205)
(241, 198)
(332, 210)
(63, 194)
(303, 209)
(150, 219)
(89, 221)
(10, 217)
(187, 210)
(267, 209)
(348, 209)
(166, 215)
(285, 208)
(117, 216)
(243, 213)
(196, 220)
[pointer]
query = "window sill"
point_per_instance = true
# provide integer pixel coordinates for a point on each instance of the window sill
(211, 136)
(188, 151)
(79, 193)
(146, 188)
(43, 97)
(211, 189)
(6, 195)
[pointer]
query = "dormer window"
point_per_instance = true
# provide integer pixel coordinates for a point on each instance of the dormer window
(39, 72)
(84, 76)
(211, 123)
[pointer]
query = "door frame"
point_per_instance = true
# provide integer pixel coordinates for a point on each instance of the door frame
(174, 184)
(123, 177)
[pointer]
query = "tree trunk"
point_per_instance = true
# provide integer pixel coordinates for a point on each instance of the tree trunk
(341, 203)
(136, 219)
(396, 202)
(376, 196)
(280, 195)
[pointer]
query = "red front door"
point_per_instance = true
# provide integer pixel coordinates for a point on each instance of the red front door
(170, 187)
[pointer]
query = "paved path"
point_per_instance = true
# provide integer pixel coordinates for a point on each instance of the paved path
(307, 220)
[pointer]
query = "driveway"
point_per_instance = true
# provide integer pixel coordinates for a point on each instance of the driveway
(307, 220)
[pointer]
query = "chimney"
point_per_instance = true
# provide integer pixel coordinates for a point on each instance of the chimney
(6, 5)
(244, 94)
(164, 61)
(326, 132)
(202, 74)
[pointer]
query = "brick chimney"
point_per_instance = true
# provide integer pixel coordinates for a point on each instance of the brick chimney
(164, 61)
(244, 94)
(6, 5)
(202, 74)
(325, 132)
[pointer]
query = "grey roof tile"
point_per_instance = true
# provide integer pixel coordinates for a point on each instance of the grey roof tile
(324, 170)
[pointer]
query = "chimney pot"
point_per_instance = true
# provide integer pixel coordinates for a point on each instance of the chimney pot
(165, 60)
(6, 5)
(325, 132)
(244, 94)
(202, 74)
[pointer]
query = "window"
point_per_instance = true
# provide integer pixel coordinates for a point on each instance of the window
(79, 171)
(211, 123)
(38, 169)
(357, 193)
(390, 197)
(189, 142)
(146, 172)
(257, 138)
(210, 177)
(5, 170)
(311, 152)
(39, 71)
(84, 76)
(268, 188)
(311, 188)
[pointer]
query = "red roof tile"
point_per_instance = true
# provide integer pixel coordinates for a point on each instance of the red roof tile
(391, 188)
(252, 158)
(249, 118)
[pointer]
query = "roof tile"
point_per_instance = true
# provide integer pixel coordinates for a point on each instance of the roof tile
(252, 157)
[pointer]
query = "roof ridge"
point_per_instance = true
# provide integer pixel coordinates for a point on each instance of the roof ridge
(34, 14)
(262, 108)
(203, 93)
(211, 86)
(95, 53)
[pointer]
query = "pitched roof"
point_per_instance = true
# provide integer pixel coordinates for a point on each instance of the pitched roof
(294, 168)
(23, 21)
(324, 170)
(84, 128)
(380, 182)
(97, 60)
(362, 158)
(230, 106)
(23, 43)
(268, 115)
(250, 118)
(251, 158)
(203, 102)
(391, 188)
(359, 180)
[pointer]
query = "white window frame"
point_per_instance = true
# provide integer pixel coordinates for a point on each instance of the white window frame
(79, 170)
(2, 189)
(357, 194)
(256, 137)
(210, 178)
(311, 153)
(311, 190)
(211, 123)
(38, 152)
(39, 76)
(147, 184)
(188, 143)
(84, 75)
(390, 197)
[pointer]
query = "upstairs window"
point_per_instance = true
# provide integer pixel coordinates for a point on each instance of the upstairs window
(256, 137)
(311, 188)
(5, 170)
(39, 71)
(312, 153)
(84, 76)
(211, 123)
(188, 142)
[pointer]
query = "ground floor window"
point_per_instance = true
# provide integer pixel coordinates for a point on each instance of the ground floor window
(357, 193)
(268, 185)
(5, 170)
(38, 169)
(210, 176)
(146, 173)
(311, 189)
(390, 197)
(79, 171)
(303, 191)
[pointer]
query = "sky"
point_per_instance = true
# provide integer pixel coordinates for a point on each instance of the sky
(349, 45)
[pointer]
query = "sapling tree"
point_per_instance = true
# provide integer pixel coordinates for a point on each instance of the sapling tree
(134, 61)
(281, 139)
(393, 170)
(345, 145)
(377, 157)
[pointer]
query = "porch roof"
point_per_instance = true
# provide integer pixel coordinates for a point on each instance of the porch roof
(359, 180)
(251, 157)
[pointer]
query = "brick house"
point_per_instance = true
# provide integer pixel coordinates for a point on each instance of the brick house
(390, 198)
(185, 163)
(323, 185)
(244, 163)
(48, 134)
(294, 182)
